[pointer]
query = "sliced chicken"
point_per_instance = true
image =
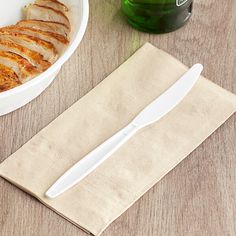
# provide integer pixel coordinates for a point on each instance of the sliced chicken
(33, 57)
(53, 4)
(58, 41)
(41, 46)
(33, 44)
(22, 67)
(48, 26)
(37, 12)
(8, 78)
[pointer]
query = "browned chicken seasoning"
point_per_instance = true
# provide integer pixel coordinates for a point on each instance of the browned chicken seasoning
(8, 78)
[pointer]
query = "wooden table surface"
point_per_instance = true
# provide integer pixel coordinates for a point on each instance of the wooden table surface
(199, 196)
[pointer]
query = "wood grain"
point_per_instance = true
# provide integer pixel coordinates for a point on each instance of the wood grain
(196, 198)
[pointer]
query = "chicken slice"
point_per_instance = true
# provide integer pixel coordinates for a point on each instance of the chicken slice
(22, 67)
(53, 4)
(33, 57)
(47, 26)
(8, 78)
(58, 41)
(37, 12)
(41, 46)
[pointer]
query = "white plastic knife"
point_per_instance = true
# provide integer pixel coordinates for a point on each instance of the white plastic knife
(152, 113)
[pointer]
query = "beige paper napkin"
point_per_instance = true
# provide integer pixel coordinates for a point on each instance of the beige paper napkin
(106, 193)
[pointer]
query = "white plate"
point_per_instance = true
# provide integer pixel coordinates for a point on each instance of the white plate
(10, 13)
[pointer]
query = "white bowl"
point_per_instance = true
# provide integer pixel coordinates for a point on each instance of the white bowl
(10, 13)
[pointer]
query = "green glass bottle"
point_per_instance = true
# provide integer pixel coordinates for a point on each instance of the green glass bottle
(157, 16)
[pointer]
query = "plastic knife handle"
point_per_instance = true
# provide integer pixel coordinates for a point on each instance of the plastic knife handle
(91, 161)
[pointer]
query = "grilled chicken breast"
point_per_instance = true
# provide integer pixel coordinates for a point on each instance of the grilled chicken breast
(53, 4)
(8, 78)
(47, 26)
(58, 41)
(22, 67)
(33, 57)
(33, 44)
(37, 12)
(41, 46)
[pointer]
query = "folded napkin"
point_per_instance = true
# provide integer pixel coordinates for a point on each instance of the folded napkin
(131, 171)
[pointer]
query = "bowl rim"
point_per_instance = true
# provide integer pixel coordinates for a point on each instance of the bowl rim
(57, 65)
